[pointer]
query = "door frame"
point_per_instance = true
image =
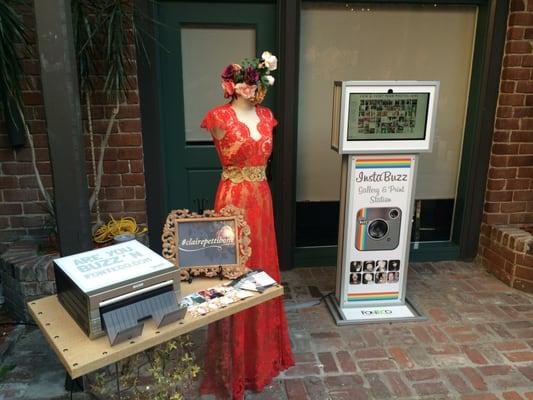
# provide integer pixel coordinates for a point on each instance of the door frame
(484, 88)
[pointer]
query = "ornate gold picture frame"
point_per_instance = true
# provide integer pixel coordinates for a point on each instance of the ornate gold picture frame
(210, 244)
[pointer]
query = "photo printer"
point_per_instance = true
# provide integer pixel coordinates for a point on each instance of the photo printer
(115, 289)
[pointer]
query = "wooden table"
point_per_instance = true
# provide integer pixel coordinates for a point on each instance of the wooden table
(80, 355)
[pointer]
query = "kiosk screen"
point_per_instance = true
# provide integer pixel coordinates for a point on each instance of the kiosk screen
(387, 116)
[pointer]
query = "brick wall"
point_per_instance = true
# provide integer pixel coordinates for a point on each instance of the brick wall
(509, 195)
(505, 248)
(22, 211)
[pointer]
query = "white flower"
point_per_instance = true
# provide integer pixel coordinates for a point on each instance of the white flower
(271, 61)
(270, 80)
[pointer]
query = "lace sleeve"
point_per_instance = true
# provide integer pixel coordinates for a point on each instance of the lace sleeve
(211, 120)
(274, 121)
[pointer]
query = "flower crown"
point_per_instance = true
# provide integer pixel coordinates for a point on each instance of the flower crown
(251, 78)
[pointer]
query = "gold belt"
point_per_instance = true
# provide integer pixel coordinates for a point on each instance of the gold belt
(240, 174)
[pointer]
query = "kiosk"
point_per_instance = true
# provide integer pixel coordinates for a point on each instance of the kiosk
(379, 127)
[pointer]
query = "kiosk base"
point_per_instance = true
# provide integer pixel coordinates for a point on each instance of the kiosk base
(373, 314)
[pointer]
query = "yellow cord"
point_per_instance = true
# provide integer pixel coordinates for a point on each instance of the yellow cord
(114, 227)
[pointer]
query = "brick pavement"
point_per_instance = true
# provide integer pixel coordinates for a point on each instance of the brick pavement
(477, 343)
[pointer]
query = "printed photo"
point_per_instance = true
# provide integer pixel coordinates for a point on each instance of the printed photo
(356, 266)
(355, 279)
(393, 277)
(380, 277)
(381, 265)
(368, 278)
(394, 265)
(369, 266)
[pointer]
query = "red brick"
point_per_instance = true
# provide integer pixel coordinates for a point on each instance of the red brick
(304, 357)
(474, 355)
(25, 221)
(125, 139)
(133, 180)
(512, 99)
(526, 148)
(140, 193)
(523, 272)
(401, 357)
(136, 166)
(422, 374)
(496, 184)
(505, 148)
(14, 195)
(527, 371)
(115, 167)
(512, 396)
(522, 112)
(111, 180)
(491, 370)
(517, 5)
(112, 193)
(31, 181)
(517, 184)
(345, 361)
(521, 160)
(525, 259)
(370, 353)
(504, 112)
(17, 168)
(399, 387)
(498, 173)
(125, 112)
(525, 87)
(474, 378)
(499, 196)
(491, 207)
(8, 182)
(523, 195)
(498, 161)
(430, 388)
(501, 136)
(522, 136)
(508, 123)
(295, 389)
(458, 382)
(513, 207)
(112, 206)
(484, 396)
(529, 100)
(328, 362)
(513, 74)
(130, 125)
(130, 153)
(521, 19)
(502, 346)
(376, 365)
(134, 205)
(527, 61)
(512, 60)
(526, 124)
(520, 356)
(10, 209)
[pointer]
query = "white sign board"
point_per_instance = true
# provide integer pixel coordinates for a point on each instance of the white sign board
(377, 230)
(108, 266)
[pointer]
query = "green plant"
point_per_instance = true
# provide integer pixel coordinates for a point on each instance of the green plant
(162, 373)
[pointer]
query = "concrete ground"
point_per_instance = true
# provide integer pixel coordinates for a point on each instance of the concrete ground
(477, 344)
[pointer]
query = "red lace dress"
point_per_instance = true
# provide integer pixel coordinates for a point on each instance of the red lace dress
(248, 349)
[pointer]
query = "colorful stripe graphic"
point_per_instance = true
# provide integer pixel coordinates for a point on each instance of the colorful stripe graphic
(373, 296)
(383, 163)
(360, 233)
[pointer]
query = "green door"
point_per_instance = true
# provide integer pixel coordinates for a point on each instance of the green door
(196, 41)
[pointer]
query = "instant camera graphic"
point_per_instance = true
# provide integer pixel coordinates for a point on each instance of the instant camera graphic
(378, 228)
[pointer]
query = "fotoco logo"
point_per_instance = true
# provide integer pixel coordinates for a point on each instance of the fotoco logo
(376, 312)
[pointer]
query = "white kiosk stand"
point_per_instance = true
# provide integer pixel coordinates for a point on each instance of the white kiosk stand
(379, 127)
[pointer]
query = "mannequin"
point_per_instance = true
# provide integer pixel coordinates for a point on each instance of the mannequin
(246, 350)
